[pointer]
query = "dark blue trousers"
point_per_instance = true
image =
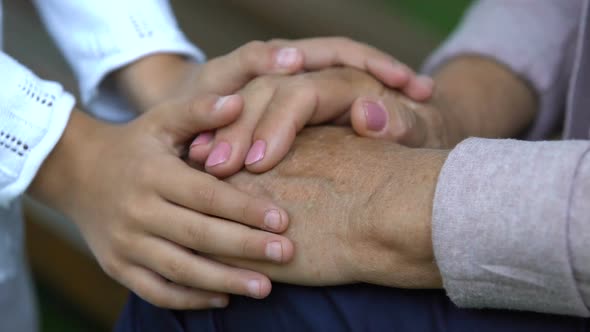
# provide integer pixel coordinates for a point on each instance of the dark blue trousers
(343, 308)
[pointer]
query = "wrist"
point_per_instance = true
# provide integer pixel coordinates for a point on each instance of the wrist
(453, 128)
(401, 251)
(69, 163)
(419, 250)
(153, 79)
(459, 122)
(481, 97)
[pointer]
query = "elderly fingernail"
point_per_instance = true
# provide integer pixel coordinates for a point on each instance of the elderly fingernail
(272, 220)
(274, 251)
(218, 302)
(202, 139)
(256, 152)
(375, 115)
(219, 155)
(254, 288)
(287, 57)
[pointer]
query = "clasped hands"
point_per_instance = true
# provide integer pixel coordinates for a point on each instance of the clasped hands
(337, 209)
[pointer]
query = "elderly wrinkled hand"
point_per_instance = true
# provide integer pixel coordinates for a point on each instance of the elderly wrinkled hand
(277, 108)
(360, 210)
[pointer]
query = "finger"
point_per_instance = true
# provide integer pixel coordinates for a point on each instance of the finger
(388, 118)
(311, 98)
(320, 53)
(230, 72)
(201, 147)
(183, 267)
(219, 237)
(420, 88)
(233, 141)
(164, 294)
(183, 119)
(290, 109)
(204, 193)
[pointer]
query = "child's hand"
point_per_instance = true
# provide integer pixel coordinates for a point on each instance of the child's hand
(278, 107)
(147, 215)
(157, 78)
(326, 52)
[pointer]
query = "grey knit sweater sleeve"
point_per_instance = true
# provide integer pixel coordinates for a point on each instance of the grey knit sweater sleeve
(534, 38)
(511, 225)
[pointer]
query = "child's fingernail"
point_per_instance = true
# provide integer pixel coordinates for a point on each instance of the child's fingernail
(375, 115)
(425, 81)
(254, 288)
(274, 251)
(221, 101)
(219, 155)
(287, 57)
(256, 152)
(272, 220)
(203, 138)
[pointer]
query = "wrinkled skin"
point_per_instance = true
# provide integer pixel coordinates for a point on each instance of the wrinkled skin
(360, 210)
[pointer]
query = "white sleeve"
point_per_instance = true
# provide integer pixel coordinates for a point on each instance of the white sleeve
(100, 36)
(33, 116)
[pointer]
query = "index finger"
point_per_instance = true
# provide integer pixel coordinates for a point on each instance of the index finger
(230, 72)
(204, 193)
(311, 98)
(326, 52)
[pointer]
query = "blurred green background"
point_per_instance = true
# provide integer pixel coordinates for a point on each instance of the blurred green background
(440, 16)
(59, 315)
(430, 20)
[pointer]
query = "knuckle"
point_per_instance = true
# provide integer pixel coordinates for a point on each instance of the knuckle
(306, 90)
(198, 234)
(364, 83)
(249, 203)
(409, 121)
(177, 270)
(111, 266)
(248, 245)
(198, 106)
(207, 195)
(120, 241)
(301, 90)
(262, 83)
(299, 82)
(232, 284)
(253, 46)
(207, 76)
(136, 215)
(250, 54)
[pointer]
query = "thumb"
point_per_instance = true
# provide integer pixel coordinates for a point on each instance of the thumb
(388, 119)
(184, 119)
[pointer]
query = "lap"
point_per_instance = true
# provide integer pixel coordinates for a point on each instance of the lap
(344, 308)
